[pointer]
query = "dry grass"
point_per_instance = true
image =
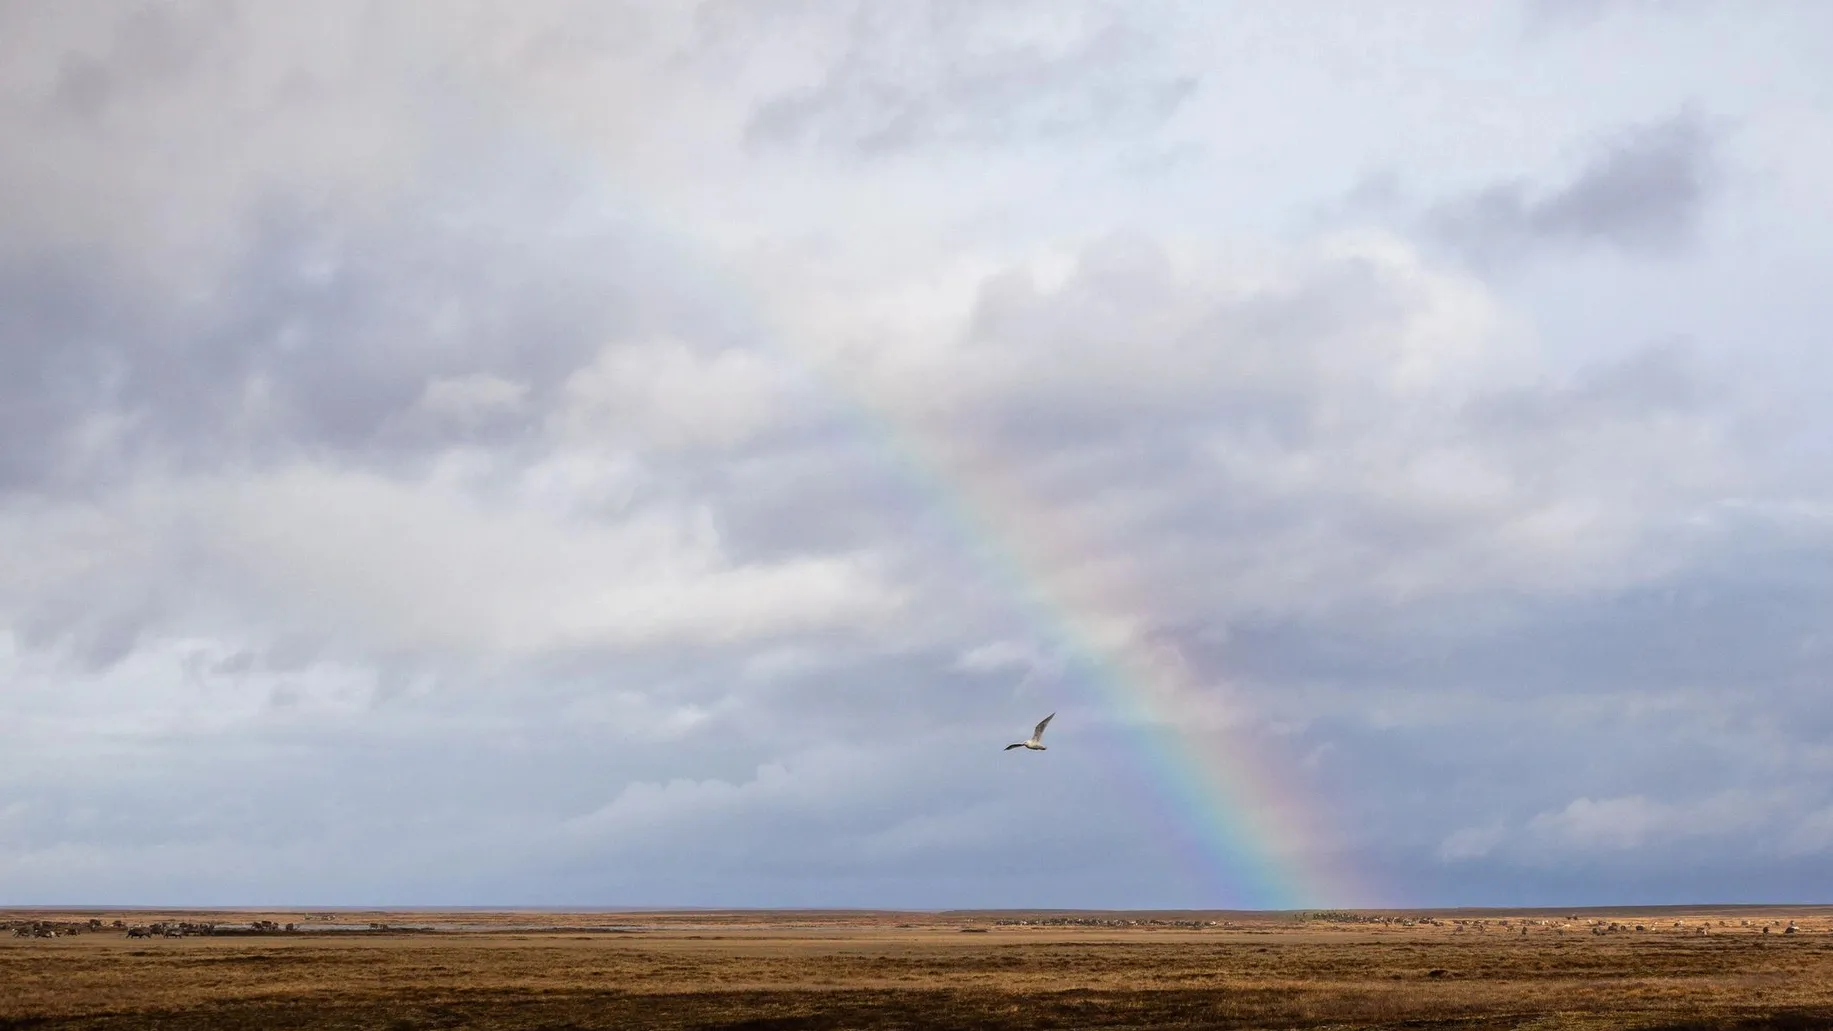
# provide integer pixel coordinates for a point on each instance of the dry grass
(764, 971)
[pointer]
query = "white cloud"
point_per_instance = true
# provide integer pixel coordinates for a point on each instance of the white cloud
(1470, 843)
(662, 396)
(1097, 420)
(1634, 821)
(383, 566)
(997, 656)
(644, 808)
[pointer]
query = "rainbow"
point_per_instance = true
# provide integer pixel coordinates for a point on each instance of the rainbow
(1220, 795)
(1251, 841)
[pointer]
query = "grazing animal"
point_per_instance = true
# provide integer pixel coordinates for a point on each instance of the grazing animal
(1036, 744)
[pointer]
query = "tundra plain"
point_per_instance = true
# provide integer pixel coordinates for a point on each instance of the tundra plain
(1674, 968)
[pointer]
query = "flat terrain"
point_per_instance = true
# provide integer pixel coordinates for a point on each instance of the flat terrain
(1685, 968)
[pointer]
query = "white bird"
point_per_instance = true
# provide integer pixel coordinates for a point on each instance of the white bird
(1036, 743)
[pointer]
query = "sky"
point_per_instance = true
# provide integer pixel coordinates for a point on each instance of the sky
(652, 454)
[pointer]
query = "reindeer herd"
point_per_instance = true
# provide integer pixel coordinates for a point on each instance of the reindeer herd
(1522, 925)
(159, 929)
(55, 928)
(1597, 926)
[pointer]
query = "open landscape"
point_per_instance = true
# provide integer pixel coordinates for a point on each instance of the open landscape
(1711, 967)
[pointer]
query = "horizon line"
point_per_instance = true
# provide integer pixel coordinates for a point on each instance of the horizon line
(585, 910)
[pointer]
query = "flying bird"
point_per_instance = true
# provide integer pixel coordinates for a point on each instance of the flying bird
(1036, 743)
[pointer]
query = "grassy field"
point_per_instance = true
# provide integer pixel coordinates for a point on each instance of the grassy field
(757, 970)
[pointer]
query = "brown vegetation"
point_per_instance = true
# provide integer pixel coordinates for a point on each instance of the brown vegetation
(1698, 969)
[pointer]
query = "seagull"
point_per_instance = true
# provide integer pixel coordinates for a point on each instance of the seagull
(1036, 743)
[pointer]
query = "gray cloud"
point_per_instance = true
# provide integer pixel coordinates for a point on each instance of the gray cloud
(1645, 191)
(960, 75)
(372, 343)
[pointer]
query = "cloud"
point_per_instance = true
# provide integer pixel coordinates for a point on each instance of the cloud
(663, 396)
(1644, 192)
(386, 566)
(1470, 843)
(1610, 824)
(472, 397)
(364, 344)
(660, 454)
(943, 74)
(1587, 827)
(1163, 418)
(140, 137)
(1543, 17)
(995, 656)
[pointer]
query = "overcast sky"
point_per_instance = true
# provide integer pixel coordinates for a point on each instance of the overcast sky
(659, 454)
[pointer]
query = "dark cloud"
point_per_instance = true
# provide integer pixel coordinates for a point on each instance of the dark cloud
(1643, 192)
(328, 334)
(57, 368)
(153, 45)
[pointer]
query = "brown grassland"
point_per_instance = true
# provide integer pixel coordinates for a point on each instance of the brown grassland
(759, 970)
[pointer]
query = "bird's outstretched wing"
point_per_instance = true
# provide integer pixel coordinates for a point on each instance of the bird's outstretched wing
(1045, 722)
(1020, 744)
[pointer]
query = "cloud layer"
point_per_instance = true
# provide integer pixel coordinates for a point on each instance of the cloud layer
(644, 454)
